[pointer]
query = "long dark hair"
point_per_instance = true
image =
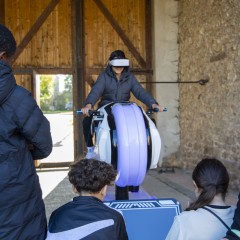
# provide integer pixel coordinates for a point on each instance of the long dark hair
(211, 176)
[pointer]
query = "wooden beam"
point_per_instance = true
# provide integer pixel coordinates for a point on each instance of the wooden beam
(148, 33)
(121, 33)
(22, 71)
(79, 73)
(35, 28)
(2, 11)
(148, 37)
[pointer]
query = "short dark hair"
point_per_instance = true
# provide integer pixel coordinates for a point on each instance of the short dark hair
(91, 175)
(117, 54)
(7, 41)
(211, 176)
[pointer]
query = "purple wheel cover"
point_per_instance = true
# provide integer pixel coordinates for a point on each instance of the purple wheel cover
(132, 144)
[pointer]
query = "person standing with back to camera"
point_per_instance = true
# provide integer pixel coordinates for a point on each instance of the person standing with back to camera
(24, 137)
(113, 85)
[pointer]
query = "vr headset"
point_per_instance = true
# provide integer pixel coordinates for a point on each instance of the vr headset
(119, 62)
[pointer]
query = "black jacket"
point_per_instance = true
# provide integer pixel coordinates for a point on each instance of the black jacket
(22, 211)
(86, 218)
(236, 222)
(109, 89)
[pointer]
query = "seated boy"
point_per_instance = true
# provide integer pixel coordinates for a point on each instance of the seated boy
(87, 217)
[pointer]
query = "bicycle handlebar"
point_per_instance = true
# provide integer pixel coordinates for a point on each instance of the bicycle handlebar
(97, 113)
(91, 112)
(155, 110)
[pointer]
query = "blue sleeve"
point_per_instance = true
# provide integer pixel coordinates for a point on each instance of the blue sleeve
(33, 125)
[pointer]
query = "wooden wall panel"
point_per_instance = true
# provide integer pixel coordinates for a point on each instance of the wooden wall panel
(51, 46)
(24, 81)
(101, 38)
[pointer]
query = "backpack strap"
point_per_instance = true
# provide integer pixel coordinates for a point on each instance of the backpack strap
(229, 229)
(218, 218)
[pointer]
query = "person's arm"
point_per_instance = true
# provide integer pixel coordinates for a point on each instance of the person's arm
(42, 140)
(96, 91)
(33, 126)
(141, 94)
(121, 229)
(175, 231)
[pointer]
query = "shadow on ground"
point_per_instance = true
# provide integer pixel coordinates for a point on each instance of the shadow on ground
(60, 195)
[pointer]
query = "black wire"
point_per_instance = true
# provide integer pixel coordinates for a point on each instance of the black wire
(201, 82)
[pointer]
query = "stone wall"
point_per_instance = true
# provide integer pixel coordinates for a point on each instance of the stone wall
(209, 115)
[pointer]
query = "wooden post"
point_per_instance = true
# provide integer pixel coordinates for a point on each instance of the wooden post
(2, 12)
(79, 72)
(148, 27)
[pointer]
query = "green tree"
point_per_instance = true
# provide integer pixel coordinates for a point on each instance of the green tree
(46, 91)
(68, 84)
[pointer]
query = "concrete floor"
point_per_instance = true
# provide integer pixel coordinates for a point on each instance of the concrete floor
(57, 190)
(178, 185)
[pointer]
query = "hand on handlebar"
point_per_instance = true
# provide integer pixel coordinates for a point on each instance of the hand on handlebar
(86, 109)
(160, 108)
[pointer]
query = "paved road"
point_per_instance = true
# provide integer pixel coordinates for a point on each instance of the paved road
(62, 134)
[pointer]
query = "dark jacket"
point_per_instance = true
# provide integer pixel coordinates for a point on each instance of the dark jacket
(86, 218)
(236, 222)
(22, 211)
(109, 89)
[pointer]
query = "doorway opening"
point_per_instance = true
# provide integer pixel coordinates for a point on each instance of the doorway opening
(55, 98)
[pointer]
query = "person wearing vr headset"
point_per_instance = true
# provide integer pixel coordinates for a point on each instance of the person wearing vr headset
(113, 85)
